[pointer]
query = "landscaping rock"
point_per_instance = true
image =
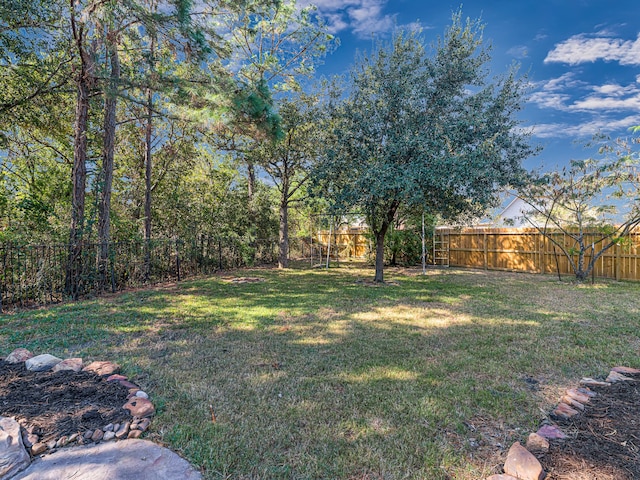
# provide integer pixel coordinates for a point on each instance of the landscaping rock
(564, 411)
(38, 448)
(579, 396)
(522, 464)
(134, 434)
(590, 382)
(537, 443)
(618, 377)
(102, 368)
(74, 364)
(128, 384)
(139, 407)
(551, 432)
(626, 370)
(19, 355)
(29, 439)
(41, 363)
(108, 436)
(62, 441)
(587, 392)
(116, 377)
(144, 424)
(97, 435)
(141, 394)
(123, 430)
(572, 402)
(13, 456)
(125, 460)
(501, 476)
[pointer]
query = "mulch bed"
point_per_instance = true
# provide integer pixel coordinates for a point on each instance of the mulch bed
(603, 441)
(62, 403)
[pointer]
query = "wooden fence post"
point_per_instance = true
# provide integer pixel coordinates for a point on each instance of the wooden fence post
(486, 252)
(618, 262)
(542, 245)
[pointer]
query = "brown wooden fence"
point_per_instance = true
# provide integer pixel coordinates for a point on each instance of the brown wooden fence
(526, 250)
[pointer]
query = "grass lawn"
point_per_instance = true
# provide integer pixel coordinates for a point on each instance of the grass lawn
(313, 375)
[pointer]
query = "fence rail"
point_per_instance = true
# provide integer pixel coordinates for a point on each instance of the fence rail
(34, 275)
(527, 250)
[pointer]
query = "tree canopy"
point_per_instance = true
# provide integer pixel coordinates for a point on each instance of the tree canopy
(424, 127)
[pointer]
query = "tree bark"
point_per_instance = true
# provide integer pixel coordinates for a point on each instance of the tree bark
(147, 173)
(104, 207)
(283, 257)
(84, 83)
(379, 277)
(251, 183)
(380, 234)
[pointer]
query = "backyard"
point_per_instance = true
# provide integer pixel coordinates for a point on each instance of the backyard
(321, 374)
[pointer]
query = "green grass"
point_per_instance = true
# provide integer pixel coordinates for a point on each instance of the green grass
(314, 375)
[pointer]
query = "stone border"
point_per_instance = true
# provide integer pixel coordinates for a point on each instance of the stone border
(138, 403)
(521, 464)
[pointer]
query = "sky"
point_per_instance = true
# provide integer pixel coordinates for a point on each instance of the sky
(581, 58)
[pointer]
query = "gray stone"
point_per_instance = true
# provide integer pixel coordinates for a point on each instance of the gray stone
(141, 394)
(42, 363)
(521, 464)
(125, 460)
(587, 392)
(19, 355)
(13, 456)
(108, 436)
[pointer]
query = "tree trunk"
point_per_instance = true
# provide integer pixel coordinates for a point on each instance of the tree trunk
(283, 257)
(386, 222)
(84, 84)
(251, 183)
(147, 172)
(104, 207)
(379, 277)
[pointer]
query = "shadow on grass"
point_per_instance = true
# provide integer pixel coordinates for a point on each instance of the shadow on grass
(312, 375)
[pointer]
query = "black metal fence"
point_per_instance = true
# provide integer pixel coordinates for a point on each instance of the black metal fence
(33, 275)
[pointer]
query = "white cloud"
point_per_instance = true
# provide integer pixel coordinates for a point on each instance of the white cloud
(519, 52)
(568, 94)
(584, 49)
(603, 103)
(362, 17)
(584, 130)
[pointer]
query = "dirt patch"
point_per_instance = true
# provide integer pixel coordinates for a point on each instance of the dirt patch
(61, 403)
(604, 441)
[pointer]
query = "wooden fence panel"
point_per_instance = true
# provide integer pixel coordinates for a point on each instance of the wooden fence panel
(526, 250)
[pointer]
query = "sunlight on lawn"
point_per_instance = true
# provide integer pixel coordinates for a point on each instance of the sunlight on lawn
(313, 375)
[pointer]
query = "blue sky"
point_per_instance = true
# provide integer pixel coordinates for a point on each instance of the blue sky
(582, 58)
